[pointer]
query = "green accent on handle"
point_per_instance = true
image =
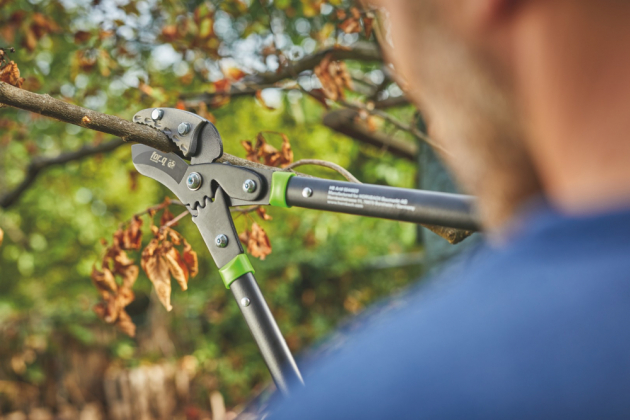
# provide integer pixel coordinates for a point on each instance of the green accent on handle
(279, 183)
(235, 269)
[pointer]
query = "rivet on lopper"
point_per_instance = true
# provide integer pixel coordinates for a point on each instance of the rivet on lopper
(193, 182)
(221, 241)
(183, 128)
(157, 114)
(249, 186)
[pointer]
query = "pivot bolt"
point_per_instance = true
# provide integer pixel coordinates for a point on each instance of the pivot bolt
(307, 192)
(183, 128)
(249, 186)
(245, 301)
(193, 182)
(221, 241)
(157, 114)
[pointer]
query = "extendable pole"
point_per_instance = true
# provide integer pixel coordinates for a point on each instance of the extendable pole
(405, 205)
(238, 276)
(266, 333)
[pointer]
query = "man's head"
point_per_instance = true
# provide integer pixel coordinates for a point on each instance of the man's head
(498, 81)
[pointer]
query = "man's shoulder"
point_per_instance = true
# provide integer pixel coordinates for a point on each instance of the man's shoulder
(537, 326)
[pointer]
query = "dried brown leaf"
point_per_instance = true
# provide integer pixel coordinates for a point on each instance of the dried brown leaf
(320, 96)
(190, 257)
(368, 25)
(257, 241)
(222, 86)
(350, 25)
(125, 324)
(177, 266)
(167, 216)
(234, 74)
(81, 36)
(129, 275)
(252, 155)
(270, 155)
(263, 213)
(10, 74)
(286, 152)
(130, 238)
(124, 297)
(104, 280)
(202, 111)
(157, 269)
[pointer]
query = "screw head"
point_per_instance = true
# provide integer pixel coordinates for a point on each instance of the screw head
(245, 301)
(307, 192)
(249, 186)
(193, 182)
(221, 241)
(183, 128)
(157, 114)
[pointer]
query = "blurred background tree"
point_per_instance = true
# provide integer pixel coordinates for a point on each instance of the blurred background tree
(309, 69)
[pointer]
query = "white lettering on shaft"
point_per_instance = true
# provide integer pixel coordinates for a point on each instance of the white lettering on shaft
(352, 197)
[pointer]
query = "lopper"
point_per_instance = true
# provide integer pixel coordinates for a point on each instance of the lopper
(208, 189)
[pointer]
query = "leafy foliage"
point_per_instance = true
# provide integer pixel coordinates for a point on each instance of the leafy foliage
(119, 58)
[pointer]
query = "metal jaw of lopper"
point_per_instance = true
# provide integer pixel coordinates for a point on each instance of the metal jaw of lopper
(206, 187)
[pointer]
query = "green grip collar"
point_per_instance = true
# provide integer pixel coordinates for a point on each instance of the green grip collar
(279, 184)
(238, 266)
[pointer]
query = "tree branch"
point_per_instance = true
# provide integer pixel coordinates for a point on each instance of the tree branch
(250, 84)
(127, 130)
(40, 163)
(83, 117)
(396, 123)
(361, 52)
(344, 172)
(342, 121)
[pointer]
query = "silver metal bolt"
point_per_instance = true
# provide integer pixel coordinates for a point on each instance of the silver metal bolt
(193, 182)
(307, 192)
(249, 186)
(221, 241)
(245, 301)
(183, 128)
(157, 114)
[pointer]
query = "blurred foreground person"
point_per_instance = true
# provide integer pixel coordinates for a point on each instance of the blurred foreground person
(531, 100)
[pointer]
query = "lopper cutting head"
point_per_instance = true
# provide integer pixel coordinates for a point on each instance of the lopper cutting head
(196, 137)
(205, 187)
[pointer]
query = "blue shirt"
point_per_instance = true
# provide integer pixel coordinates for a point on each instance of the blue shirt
(536, 329)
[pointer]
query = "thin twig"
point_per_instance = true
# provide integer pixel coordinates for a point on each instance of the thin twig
(395, 122)
(167, 202)
(317, 162)
(175, 219)
(245, 210)
(40, 163)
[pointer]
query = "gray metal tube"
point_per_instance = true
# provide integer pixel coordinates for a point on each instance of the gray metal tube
(406, 205)
(266, 333)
